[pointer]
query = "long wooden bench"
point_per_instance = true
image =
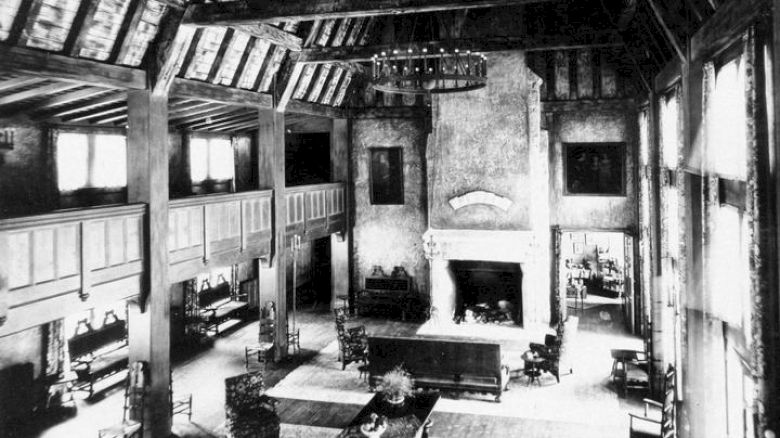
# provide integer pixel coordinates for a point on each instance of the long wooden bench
(217, 304)
(439, 363)
(98, 353)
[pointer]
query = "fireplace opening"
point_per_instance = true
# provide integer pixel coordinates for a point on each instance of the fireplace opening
(488, 292)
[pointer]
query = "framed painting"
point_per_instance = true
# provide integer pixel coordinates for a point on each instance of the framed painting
(594, 169)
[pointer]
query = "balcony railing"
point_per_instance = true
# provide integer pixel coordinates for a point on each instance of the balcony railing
(219, 228)
(67, 261)
(316, 210)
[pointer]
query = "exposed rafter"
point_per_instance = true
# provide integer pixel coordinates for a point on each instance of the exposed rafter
(321, 55)
(173, 41)
(671, 36)
(216, 93)
(249, 12)
(23, 61)
(34, 92)
(272, 34)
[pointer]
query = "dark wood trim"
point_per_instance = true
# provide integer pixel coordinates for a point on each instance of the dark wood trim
(190, 53)
(24, 61)
(322, 55)
(668, 76)
(249, 12)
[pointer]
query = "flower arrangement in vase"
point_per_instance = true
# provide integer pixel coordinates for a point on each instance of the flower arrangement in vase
(374, 425)
(396, 385)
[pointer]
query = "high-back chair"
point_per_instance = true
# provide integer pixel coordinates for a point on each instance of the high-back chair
(249, 412)
(132, 424)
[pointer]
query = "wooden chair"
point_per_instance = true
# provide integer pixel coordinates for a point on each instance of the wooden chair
(132, 424)
(264, 349)
(294, 341)
(250, 413)
(181, 404)
(550, 352)
(662, 423)
(630, 370)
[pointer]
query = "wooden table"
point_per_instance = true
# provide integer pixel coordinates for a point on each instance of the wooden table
(403, 421)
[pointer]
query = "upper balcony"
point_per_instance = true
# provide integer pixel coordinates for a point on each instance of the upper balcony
(56, 264)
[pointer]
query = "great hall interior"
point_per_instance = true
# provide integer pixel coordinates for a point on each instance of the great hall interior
(398, 218)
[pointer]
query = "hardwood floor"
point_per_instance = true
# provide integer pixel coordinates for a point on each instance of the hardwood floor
(318, 398)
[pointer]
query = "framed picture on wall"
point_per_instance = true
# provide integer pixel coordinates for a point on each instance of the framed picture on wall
(386, 176)
(596, 169)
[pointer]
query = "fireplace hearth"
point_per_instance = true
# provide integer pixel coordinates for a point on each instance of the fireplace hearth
(487, 292)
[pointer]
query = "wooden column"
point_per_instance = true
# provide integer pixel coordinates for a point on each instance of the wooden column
(339, 243)
(147, 182)
(270, 162)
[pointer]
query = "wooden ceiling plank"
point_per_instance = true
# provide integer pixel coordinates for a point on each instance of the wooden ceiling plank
(79, 28)
(112, 119)
(189, 88)
(67, 98)
(274, 35)
(336, 84)
(36, 92)
(192, 106)
(323, 75)
(25, 11)
(670, 36)
(131, 20)
(249, 12)
(238, 126)
(287, 81)
(204, 121)
(20, 82)
(250, 46)
(92, 115)
(217, 64)
(194, 110)
(266, 67)
(24, 61)
(342, 93)
(355, 32)
(320, 55)
(85, 106)
(221, 110)
(235, 118)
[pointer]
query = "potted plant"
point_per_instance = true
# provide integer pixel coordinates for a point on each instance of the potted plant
(374, 425)
(396, 385)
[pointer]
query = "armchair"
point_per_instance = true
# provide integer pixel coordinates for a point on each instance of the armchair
(249, 412)
(550, 351)
(629, 370)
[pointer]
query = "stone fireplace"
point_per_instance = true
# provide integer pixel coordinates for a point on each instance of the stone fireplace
(488, 292)
(488, 187)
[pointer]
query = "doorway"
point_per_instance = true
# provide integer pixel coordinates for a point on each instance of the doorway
(595, 269)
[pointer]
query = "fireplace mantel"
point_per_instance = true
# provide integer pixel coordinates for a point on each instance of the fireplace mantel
(488, 245)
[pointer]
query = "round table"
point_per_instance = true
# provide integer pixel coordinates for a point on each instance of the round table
(532, 366)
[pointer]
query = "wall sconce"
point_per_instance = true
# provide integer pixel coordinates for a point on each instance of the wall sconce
(7, 139)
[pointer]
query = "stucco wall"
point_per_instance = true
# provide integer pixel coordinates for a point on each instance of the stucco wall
(480, 142)
(390, 235)
(592, 211)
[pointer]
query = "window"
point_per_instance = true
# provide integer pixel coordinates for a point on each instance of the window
(387, 177)
(594, 169)
(211, 158)
(90, 160)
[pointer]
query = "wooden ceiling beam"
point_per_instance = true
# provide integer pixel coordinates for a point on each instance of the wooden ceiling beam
(243, 117)
(216, 93)
(92, 115)
(192, 106)
(20, 21)
(274, 35)
(316, 109)
(238, 125)
(171, 45)
(322, 55)
(35, 92)
(19, 60)
(251, 12)
(670, 35)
